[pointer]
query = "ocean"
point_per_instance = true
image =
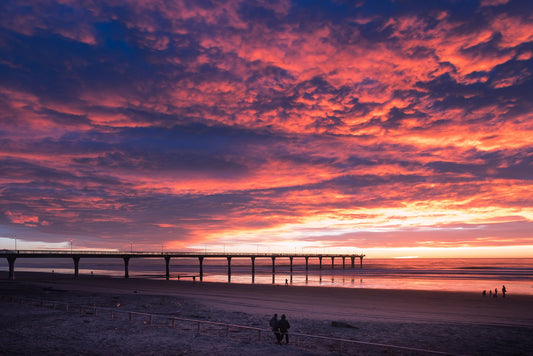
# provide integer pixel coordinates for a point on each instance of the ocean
(465, 274)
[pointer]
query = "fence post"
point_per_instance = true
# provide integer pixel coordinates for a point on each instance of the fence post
(259, 335)
(150, 319)
(173, 323)
(198, 328)
(131, 316)
(227, 330)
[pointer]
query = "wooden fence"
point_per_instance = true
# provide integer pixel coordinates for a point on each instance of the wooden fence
(253, 334)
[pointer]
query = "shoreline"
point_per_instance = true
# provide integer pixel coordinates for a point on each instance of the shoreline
(64, 278)
(447, 303)
(453, 322)
(476, 285)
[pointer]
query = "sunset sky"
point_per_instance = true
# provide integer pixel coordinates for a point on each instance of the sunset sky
(393, 128)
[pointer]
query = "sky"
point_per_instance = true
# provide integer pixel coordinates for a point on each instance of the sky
(392, 128)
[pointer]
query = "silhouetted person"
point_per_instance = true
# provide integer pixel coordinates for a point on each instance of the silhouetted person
(274, 324)
(504, 290)
(484, 293)
(490, 293)
(495, 292)
(284, 326)
(286, 282)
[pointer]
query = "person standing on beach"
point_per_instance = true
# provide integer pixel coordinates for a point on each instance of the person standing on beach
(284, 326)
(274, 324)
(504, 290)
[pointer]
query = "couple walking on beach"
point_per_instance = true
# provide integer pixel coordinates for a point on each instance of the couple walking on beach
(280, 328)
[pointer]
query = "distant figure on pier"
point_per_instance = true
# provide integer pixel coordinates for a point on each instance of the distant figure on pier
(284, 328)
(504, 290)
(275, 328)
(286, 282)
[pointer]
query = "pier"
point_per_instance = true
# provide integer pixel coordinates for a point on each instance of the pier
(12, 256)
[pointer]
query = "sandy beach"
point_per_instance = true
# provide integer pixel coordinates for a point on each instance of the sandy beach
(448, 322)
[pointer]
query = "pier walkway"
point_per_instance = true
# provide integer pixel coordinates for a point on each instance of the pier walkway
(13, 255)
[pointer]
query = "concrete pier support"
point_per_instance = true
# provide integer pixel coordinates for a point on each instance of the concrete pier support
(273, 269)
(167, 263)
(361, 260)
(201, 263)
(320, 262)
(126, 267)
(290, 258)
(11, 261)
(253, 269)
(76, 266)
(306, 263)
(353, 262)
(343, 262)
(229, 269)
(332, 262)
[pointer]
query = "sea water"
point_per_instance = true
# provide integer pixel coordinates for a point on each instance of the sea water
(447, 274)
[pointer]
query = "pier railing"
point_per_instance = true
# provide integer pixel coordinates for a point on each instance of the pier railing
(173, 253)
(300, 340)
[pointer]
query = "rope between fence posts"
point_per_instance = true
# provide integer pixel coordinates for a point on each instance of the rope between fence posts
(375, 344)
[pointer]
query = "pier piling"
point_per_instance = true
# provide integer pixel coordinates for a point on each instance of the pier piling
(126, 268)
(201, 263)
(229, 269)
(76, 266)
(167, 265)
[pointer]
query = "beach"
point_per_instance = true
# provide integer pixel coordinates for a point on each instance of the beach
(447, 322)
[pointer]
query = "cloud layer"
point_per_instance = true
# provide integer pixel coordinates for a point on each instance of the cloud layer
(365, 124)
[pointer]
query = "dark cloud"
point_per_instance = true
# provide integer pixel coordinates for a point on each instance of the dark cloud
(60, 69)
(504, 165)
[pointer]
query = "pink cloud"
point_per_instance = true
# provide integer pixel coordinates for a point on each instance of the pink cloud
(20, 218)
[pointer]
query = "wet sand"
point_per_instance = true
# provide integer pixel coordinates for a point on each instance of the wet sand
(456, 323)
